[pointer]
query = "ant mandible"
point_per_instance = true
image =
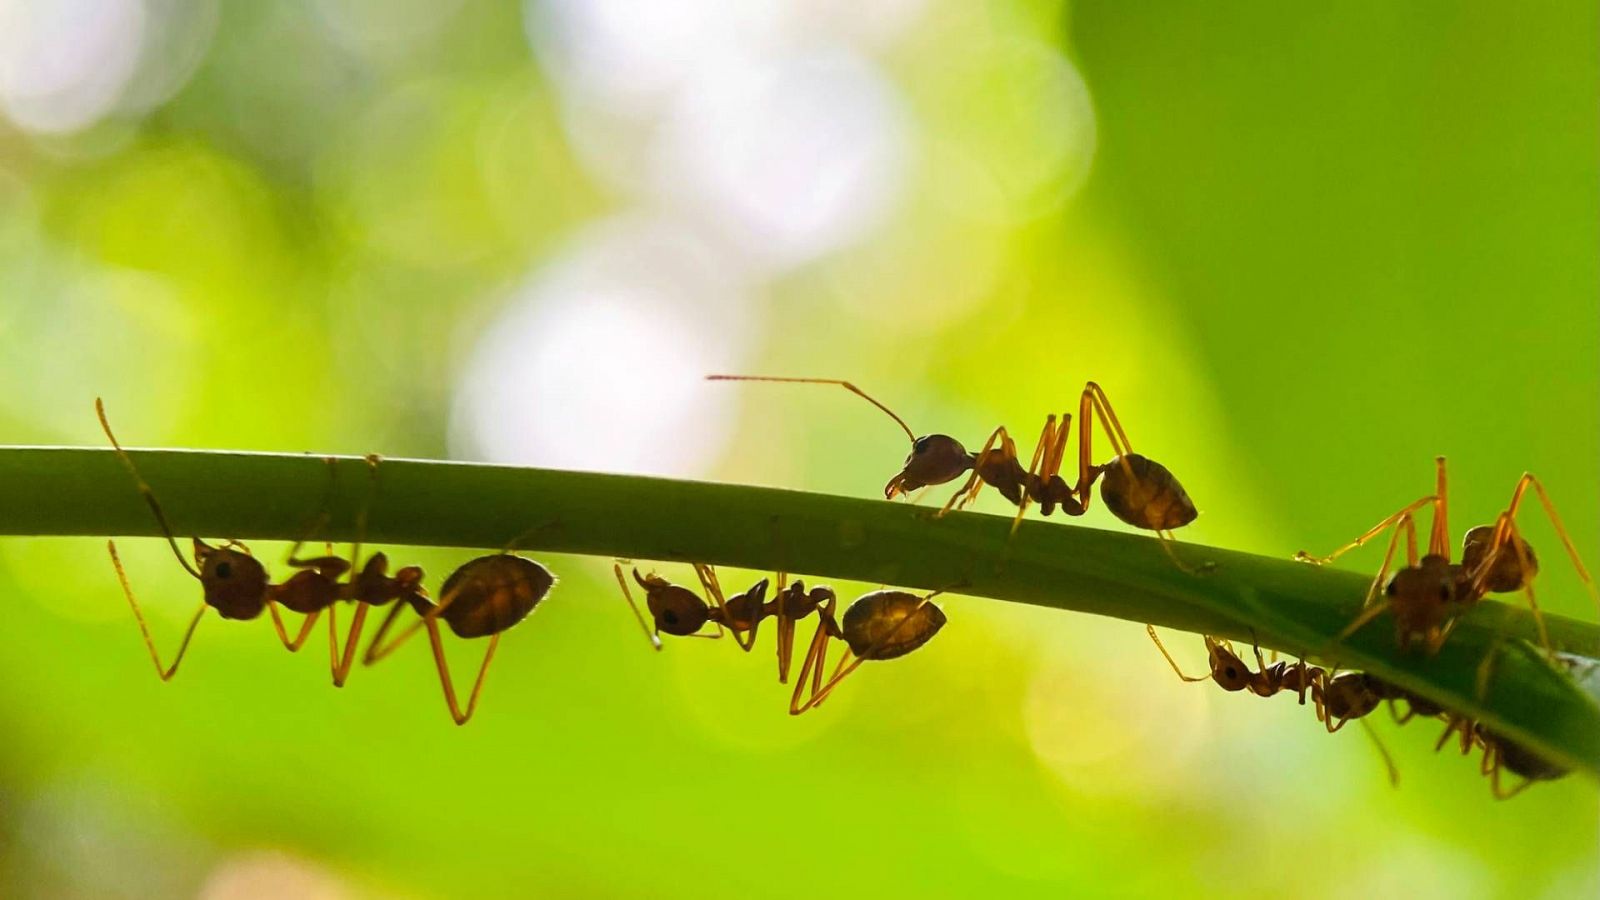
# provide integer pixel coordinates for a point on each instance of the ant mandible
(679, 611)
(485, 597)
(1138, 490)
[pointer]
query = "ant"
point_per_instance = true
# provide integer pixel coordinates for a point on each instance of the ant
(1338, 698)
(1138, 490)
(484, 597)
(1428, 595)
(234, 582)
(883, 624)
(679, 611)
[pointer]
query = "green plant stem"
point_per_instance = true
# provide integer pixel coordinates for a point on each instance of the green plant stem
(1289, 606)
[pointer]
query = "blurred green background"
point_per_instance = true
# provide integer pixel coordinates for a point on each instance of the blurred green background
(1304, 248)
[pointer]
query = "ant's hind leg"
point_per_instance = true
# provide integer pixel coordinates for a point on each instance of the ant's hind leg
(1403, 514)
(446, 682)
(1523, 483)
(144, 628)
(1383, 751)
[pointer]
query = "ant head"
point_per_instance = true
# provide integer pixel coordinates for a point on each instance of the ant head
(235, 582)
(1506, 571)
(409, 577)
(1227, 669)
(676, 610)
(889, 624)
(1425, 596)
(934, 459)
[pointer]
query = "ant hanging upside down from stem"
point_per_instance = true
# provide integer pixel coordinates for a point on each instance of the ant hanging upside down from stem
(1138, 490)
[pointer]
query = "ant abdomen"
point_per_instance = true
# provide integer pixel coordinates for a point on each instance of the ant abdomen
(1144, 493)
(889, 624)
(1506, 572)
(492, 593)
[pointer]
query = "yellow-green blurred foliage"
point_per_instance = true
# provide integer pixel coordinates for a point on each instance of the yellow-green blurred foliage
(1305, 248)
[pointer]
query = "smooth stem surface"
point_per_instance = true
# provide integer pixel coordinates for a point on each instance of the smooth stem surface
(1293, 607)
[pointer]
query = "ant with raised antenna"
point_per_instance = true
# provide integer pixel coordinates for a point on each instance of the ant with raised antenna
(484, 597)
(1138, 490)
(883, 624)
(234, 582)
(1428, 596)
(1338, 698)
(679, 611)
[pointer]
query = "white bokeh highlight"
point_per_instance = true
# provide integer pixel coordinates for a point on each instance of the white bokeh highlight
(599, 364)
(789, 159)
(63, 64)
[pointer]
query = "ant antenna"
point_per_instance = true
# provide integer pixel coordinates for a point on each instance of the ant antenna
(844, 384)
(144, 488)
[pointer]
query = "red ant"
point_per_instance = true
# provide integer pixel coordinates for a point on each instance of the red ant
(234, 582)
(485, 597)
(883, 624)
(679, 611)
(1138, 490)
(1338, 698)
(1428, 596)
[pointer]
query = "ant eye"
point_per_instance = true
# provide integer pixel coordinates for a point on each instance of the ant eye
(920, 445)
(1231, 672)
(224, 570)
(670, 617)
(1444, 592)
(1391, 590)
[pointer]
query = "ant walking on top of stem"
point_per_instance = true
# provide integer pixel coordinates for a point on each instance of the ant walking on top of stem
(1138, 490)
(1428, 596)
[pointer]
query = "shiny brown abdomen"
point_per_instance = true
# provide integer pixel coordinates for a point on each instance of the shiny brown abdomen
(492, 593)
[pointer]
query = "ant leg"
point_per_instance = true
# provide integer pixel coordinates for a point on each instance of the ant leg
(375, 649)
(144, 629)
(144, 490)
(344, 661)
(713, 588)
(1043, 452)
(1383, 751)
(444, 674)
(811, 667)
(655, 638)
(293, 646)
(1387, 523)
(1439, 538)
(1561, 530)
(1151, 630)
(1093, 404)
(786, 628)
(974, 482)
